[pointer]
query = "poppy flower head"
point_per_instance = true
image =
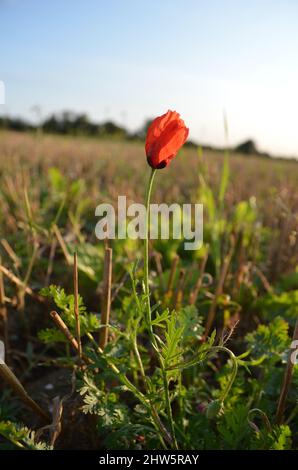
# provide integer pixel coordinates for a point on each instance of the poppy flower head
(165, 136)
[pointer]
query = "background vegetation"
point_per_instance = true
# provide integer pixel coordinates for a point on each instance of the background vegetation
(243, 282)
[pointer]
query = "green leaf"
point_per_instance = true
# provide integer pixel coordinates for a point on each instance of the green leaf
(269, 340)
(21, 436)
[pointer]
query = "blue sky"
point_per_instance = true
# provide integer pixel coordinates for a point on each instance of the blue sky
(131, 59)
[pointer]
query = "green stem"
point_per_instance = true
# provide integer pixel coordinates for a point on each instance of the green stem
(234, 370)
(148, 309)
(146, 251)
(139, 360)
(145, 402)
(134, 337)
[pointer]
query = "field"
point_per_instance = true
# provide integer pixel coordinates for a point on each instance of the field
(214, 371)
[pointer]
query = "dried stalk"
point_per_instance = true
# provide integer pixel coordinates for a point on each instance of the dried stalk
(62, 244)
(9, 377)
(194, 294)
(63, 328)
(172, 275)
(121, 283)
(3, 311)
(76, 303)
(169, 291)
(22, 289)
(157, 257)
(11, 253)
(106, 298)
(218, 291)
(21, 284)
(263, 279)
(51, 261)
(178, 298)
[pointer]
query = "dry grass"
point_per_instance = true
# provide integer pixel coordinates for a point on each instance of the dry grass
(111, 168)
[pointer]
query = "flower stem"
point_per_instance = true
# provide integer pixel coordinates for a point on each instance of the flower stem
(146, 249)
(234, 370)
(148, 310)
(142, 398)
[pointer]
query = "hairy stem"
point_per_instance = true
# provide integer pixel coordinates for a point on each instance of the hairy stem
(234, 370)
(148, 310)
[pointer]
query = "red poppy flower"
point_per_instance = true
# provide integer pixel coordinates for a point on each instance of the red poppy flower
(165, 136)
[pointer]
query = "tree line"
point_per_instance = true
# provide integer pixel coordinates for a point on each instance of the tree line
(70, 123)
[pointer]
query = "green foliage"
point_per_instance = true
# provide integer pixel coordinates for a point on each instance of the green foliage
(288, 281)
(173, 334)
(21, 437)
(65, 303)
(279, 438)
(269, 340)
(224, 180)
(119, 426)
(284, 305)
(121, 392)
(233, 428)
(106, 406)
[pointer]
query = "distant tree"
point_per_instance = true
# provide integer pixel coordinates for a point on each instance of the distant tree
(69, 123)
(248, 147)
(15, 124)
(109, 128)
(50, 125)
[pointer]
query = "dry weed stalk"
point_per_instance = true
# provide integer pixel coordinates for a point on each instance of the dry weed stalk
(178, 297)
(22, 289)
(62, 244)
(19, 283)
(76, 303)
(3, 311)
(63, 328)
(11, 253)
(106, 298)
(263, 279)
(194, 294)
(9, 377)
(51, 261)
(157, 258)
(219, 289)
(169, 293)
